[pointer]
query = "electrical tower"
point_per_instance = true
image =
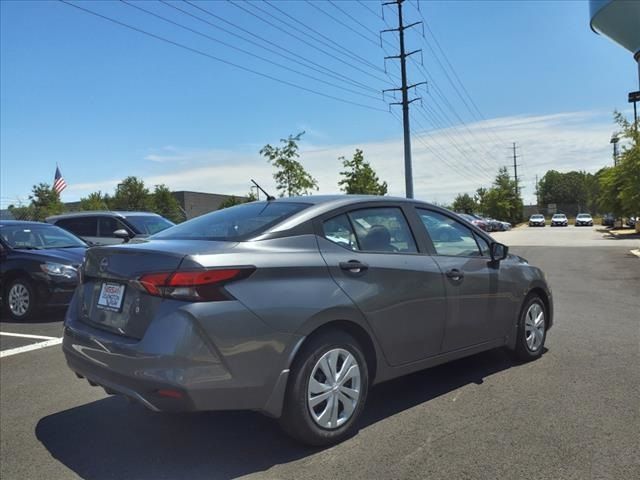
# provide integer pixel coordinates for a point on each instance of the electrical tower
(404, 89)
(515, 167)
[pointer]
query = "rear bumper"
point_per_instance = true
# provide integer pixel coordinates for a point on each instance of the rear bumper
(177, 367)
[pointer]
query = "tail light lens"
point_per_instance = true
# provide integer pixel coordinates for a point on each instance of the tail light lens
(198, 285)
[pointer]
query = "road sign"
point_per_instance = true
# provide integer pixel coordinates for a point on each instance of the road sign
(634, 96)
(552, 208)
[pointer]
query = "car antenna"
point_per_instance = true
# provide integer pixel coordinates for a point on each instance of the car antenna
(269, 197)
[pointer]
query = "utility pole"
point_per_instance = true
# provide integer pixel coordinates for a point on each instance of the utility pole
(515, 166)
(537, 194)
(404, 89)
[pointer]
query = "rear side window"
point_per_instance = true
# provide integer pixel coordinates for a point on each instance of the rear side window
(338, 230)
(382, 230)
(234, 223)
(450, 237)
(81, 226)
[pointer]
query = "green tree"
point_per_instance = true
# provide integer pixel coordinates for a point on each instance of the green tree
(44, 201)
(95, 201)
(232, 201)
(131, 195)
(480, 198)
(21, 212)
(291, 177)
(620, 185)
(164, 203)
(359, 177)
(501, 200)
(464, 203)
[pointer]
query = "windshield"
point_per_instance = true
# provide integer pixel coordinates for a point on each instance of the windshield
(584, 215)
(38, 237)
(148, 224)
(234, 223)
(537, 217)
(559, 216)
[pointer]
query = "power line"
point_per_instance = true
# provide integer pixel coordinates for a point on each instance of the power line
(297, 37)
(368, 39)
(246, 52)
(320, 34)
(457, 77)
(294, 57)
(217, 59)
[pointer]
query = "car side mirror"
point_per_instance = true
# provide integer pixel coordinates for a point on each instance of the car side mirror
(499, 251)
(122, 233)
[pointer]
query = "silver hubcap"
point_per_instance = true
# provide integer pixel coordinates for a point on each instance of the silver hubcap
(19, 299)
(534, 326)
(334, 388)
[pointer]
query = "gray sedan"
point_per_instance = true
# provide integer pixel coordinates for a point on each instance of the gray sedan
(296, 307)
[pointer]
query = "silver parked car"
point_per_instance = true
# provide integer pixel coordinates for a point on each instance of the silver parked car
(295, 307)
(106, 227)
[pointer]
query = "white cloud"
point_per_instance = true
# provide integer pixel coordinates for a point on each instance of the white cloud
(457, 160)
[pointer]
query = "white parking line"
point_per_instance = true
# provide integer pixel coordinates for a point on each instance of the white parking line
(26, 335)
(28, 348)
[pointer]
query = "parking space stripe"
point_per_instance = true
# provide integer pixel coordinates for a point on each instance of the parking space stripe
(28, 348)
(26, 335)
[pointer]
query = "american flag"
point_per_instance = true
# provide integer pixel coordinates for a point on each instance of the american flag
(58, 182)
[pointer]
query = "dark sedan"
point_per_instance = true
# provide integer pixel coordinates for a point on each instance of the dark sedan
(295, 307)
(39, 266)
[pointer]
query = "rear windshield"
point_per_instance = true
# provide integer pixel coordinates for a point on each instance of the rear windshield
(234, 223)
(148, 224)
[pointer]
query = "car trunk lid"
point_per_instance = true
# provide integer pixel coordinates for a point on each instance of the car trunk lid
(110, 296)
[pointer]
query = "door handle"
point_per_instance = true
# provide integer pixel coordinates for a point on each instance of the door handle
(455, 274)
(354, 266)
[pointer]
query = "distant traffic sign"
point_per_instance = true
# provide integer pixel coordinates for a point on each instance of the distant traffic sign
(634, 96)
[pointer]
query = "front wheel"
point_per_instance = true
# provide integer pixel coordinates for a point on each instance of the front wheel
(327, 389)
(532, 329)
(20, 299)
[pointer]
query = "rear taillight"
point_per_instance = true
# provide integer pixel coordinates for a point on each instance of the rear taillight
(196, 285)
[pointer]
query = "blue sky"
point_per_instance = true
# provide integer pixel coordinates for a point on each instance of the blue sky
(105, 102)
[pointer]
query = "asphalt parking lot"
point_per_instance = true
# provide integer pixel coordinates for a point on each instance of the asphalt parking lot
(573, 414)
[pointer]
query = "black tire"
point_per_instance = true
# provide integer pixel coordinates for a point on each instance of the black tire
(32, 299)
(523, 351)
(296, 419)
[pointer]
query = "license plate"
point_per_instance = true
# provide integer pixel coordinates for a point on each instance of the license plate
(111, 297)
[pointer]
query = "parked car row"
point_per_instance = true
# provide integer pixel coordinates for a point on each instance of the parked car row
(40, 261)
(560, 220)
(485, 223)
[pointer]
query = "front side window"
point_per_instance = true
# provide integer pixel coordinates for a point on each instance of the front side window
(233, 223)
(108, 225)
(449, 236)
(382, 230)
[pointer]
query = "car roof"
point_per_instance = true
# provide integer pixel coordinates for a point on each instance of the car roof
(25, 223)
(102, 213)
(320, 204)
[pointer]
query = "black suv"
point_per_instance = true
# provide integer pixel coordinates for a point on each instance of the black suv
(109, 228)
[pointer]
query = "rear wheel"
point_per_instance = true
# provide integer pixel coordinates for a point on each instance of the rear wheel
(327, 389)
(20, 299)
(532, 329)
